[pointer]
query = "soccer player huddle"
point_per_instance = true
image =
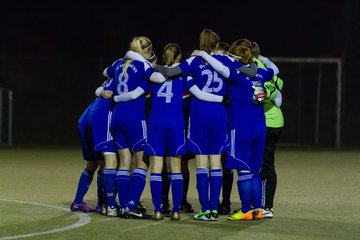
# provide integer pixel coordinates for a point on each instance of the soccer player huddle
(137, 124)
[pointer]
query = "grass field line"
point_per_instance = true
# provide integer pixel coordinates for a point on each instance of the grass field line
(83, 220)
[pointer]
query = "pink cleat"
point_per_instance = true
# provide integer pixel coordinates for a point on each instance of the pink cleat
(82, 207)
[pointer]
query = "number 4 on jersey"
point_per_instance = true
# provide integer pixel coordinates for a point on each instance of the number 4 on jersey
(166, 91)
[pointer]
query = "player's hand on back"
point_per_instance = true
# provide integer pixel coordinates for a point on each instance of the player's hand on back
(106, 94)
(195, 52)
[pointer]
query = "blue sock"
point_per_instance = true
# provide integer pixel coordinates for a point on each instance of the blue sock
(100, 188)
(83, 185)
(156, 190)
(256, 191)
(202, 185)
(122, 183)
(245, 191)
(137, 185)
(215, 187)
(109, 183)
(177, 184)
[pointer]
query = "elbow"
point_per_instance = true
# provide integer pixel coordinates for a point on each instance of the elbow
(105, 74)
(252, 74)
(157, 77)
(276, 71)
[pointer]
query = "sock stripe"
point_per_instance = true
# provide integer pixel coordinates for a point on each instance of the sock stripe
(155, 178)
(216, 173)
(140, 171)
(85, 172)
(177, 176)
(123, 173)
(109, 171)
(201, 171)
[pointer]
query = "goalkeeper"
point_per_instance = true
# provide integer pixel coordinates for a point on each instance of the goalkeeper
(274, 126)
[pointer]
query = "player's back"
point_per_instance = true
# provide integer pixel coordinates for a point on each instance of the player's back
(243, 102)
(128, 75)
(167, 103)
(207, 80)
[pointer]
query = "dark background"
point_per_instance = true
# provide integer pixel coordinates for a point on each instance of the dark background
(53, 52)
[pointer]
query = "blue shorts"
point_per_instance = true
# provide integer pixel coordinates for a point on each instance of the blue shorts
(100, 122)
(85, 134)
(246, 148)
(207, 136)
(165, 142)
(129, 133)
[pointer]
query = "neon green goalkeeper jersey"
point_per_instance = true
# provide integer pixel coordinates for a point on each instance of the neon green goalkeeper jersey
(273, 114)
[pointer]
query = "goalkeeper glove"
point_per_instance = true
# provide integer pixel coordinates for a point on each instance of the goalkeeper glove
(270, 91)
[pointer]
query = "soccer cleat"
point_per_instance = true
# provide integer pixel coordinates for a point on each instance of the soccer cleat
(122, 212)
(186, 207)
(175, 216)
(214, 216)
(237, 210)
(241, 216)
(203, 216)
(257, 214)
(267, 213)
(81, 207)
(224, 209)
(136, 214)
(111, 212)
(103, 210)
(158, 216)
(141, 208)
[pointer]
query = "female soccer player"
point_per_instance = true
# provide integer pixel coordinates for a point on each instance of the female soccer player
(97, 144)
(247, 122)
(129, 123)
(274, 126)
(166, 136)
(207, 135)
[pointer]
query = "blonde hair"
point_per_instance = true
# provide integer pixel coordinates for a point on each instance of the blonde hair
(141, 45)
(172, 54)
(208, 40)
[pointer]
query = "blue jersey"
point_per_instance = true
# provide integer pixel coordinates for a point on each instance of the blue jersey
(242, 106)
(207, 133)
(101, 103)
(129, 118)
(94, 126)
(136, 75)
(207, 80)
(167, 104)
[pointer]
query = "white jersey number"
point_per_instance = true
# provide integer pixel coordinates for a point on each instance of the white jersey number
(210, 79)
(166, 91)
(122, 86)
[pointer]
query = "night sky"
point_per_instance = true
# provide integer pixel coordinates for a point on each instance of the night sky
(99, 28)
